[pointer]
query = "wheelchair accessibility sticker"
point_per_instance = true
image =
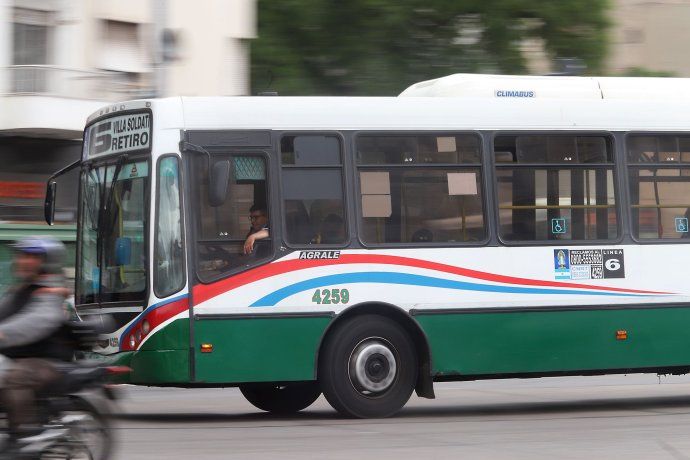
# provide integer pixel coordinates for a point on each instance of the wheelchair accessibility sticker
(558, 226)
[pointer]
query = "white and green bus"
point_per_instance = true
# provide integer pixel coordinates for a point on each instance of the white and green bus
(474, 228)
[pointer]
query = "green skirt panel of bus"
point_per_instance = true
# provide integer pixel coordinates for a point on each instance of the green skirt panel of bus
(257, 349)
(557, 341)
(164, 358)
(462, 345)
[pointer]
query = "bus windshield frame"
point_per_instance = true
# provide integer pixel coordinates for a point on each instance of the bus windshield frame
(113, 226)
(114, 207)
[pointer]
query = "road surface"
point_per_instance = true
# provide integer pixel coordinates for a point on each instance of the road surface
(607, 417)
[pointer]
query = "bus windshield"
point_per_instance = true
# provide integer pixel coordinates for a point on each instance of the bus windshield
(111, 263)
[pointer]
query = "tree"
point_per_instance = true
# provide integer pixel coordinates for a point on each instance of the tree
(379, 47)
(642, 72)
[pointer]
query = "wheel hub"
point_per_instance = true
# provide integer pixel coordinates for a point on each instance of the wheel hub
(372, 366)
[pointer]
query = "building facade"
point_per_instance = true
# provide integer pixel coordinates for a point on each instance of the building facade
(646, 37)
(60, 60)
(650, 35)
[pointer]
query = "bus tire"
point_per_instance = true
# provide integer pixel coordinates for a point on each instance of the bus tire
(281, 398)
(368, 367)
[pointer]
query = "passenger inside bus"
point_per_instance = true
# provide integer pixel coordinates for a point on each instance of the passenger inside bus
(332, 230)
(423, 235)
(297, 223)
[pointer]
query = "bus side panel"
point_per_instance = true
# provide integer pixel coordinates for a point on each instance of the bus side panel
(567, 341)
(164, 357)
(258, 349)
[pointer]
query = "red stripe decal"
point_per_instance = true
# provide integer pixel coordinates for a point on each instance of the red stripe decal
(154, 317)
(164, 313)
(204, 292)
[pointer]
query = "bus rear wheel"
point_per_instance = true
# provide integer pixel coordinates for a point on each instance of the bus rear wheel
(281, 398)
(368, 367)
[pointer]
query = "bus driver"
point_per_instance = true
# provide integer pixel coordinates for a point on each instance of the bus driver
(258, 219)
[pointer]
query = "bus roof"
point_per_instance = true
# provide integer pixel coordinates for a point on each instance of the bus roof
(427, 113)
(550, 87)
(555, 103)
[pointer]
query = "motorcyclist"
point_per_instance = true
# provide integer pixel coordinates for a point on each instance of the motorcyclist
(31, 320)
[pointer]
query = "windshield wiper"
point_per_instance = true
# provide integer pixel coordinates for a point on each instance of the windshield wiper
(104, 222)
(111, 191)
(95, 217)
(88, 198)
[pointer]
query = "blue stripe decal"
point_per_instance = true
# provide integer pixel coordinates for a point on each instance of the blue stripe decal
(413, 280)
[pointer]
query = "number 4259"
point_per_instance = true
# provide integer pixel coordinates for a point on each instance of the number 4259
(330, 296)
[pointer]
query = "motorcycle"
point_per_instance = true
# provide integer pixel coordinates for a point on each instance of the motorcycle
(74, 413)
(75, 418)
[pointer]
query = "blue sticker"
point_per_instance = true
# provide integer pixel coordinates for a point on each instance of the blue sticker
(682, 224)
(558, 225)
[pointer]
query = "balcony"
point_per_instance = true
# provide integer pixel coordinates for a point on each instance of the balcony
(49, 101)
(106, 86)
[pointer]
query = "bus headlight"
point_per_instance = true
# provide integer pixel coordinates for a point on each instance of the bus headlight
(145, 327)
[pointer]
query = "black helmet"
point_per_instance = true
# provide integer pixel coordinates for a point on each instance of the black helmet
(52, 250)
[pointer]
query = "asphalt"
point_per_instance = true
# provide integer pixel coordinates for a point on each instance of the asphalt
(607, 417)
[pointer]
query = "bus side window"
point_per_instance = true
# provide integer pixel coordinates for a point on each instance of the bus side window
(420, 189)
(222, 230)
(169, 267)
(659, 181)
(313, 192)
(555, 187)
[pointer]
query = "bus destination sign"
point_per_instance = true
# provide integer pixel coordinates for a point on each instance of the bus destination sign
(124, 133)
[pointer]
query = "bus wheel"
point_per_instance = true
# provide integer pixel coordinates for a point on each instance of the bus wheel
(279, 398)
(368, 367)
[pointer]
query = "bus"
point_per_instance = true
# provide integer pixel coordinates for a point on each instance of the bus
(489, 228)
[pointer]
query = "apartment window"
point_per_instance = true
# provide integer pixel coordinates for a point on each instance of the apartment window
(555, 187)
(313, 193)
(121, 48)
(30, 48)
(659, 180)
(420, 188)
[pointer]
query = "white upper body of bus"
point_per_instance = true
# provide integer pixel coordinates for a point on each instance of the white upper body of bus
(551, 87)
(458, 102)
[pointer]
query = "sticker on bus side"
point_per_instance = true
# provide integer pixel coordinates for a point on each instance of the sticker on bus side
(585, 264)
(319, 255)
(561, 262)
(514, 93)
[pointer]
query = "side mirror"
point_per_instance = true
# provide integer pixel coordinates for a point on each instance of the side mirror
(49, 203)
(218, 183)
(123, 251)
